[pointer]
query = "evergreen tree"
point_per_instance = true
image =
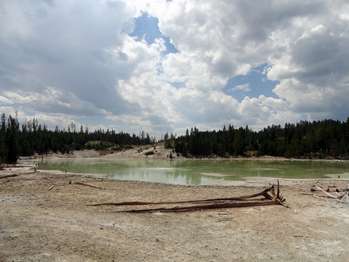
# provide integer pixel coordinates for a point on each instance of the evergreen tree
(327, 138)
(33, 138)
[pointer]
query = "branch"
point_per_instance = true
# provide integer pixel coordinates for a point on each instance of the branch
(7, 176)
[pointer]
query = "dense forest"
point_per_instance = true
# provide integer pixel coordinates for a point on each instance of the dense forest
(31, 137)
(318, 139)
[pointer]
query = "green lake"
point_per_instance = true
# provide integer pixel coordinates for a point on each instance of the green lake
(198, 172)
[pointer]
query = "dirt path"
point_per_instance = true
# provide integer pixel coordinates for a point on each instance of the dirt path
(38, 224)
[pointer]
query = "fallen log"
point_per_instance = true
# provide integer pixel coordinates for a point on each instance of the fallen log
(341, 195)
(266, 197)
(138, 203)
(7, 176)
(203, 207)
(88, 185)
(318, 188)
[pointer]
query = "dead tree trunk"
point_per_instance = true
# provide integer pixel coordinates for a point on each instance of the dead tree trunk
(269, 196)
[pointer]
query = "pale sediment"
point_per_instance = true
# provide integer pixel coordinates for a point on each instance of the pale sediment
(45, 217)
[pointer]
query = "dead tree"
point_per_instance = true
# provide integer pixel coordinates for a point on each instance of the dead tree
(269, 196)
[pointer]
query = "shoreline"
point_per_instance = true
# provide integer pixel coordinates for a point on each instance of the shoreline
(159, 152)
(247, 181)
(239, 181)
(116, 157)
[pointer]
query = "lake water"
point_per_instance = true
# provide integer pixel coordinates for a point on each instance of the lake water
(198, 172)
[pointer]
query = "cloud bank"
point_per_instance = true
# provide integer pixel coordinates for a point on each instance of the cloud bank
(83, 61)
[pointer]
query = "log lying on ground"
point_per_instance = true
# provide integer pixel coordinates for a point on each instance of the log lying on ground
(7, 176)
(18, 174)
(137, 203)
(264, 198)
(219, 205)
(341, 195)
(88, 185)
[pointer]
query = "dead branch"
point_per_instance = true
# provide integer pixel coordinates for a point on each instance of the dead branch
(345, 198)
(318, 188)
(266, 197)
(203, 207)
(337, 195)
(88, 185)
(7, 176)
(137, 203)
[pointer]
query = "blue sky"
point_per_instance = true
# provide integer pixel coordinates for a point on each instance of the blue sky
(253, 84)
(97, 63)
(146, 27)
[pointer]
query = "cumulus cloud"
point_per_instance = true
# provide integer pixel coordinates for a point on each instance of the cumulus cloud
(65, 47)
(243, 88)
(78, 59)
(303, 41)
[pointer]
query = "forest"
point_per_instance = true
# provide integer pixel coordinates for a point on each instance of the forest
(31, 138)
(317, 139)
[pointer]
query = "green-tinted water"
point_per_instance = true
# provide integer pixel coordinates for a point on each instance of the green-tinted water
(198, 172)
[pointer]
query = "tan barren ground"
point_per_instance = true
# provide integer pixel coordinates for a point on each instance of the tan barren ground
(39, 222)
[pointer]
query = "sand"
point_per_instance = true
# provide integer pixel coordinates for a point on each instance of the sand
(39, 224)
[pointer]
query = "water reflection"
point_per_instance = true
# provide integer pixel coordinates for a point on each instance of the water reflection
(175, 176)
(199, 172)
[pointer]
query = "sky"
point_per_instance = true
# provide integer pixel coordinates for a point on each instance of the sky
(167, 65)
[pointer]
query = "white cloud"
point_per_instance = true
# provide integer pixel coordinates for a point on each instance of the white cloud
(242, 88)
(304, 41)
(66, 45)
(74, 58)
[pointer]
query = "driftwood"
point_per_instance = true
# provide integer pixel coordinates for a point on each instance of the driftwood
(340, 195)
(137, 203)
(264, 198)
(18, 174)
(88, 185)
(74, 183)
(7, 176)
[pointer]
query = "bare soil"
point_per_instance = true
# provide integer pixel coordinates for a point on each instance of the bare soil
(157, 151)
(39, 222)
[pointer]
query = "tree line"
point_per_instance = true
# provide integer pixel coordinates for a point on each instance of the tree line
(31, 138)
(317, 139)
